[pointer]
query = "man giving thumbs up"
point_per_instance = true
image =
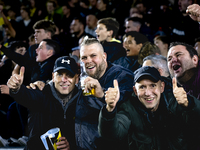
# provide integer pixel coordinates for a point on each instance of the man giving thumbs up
(52, 107)
(150, 119)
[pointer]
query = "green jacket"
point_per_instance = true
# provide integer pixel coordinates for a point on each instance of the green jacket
(171, 127)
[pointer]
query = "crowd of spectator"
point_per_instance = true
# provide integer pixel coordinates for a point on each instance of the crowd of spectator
(132, 33)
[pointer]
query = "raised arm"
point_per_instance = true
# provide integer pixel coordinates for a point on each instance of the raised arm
(8, 24)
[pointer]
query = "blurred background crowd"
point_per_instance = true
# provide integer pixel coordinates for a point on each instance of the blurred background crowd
(161, 21)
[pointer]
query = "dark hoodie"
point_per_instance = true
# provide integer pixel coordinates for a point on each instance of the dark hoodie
(114, 50)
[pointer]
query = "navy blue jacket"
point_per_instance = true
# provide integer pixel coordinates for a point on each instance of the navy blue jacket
(130, 62)
(170, 127)
(114, 50)
(44, 70)
(87, 111)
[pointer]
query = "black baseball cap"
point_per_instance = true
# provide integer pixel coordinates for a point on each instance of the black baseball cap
(147, 72)
(66, 63)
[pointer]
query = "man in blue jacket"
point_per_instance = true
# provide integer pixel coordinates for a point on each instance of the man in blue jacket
(101, 74)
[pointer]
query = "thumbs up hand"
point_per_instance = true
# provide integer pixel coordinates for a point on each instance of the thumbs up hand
(15, 81)
(112, 96)
(179, 94)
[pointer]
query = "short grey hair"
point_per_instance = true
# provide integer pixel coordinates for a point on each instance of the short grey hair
(159, 62)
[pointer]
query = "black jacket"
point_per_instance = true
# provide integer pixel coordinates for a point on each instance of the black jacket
(28, 60)
(171, 127)
(168, 84)
(114, 50)
(87, 111)
(45, 104)
(44, 72)
(130, 62)
(46, 112)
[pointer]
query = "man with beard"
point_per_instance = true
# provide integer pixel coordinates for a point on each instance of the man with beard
(77, 30)
(183, 64)
(101, 75)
